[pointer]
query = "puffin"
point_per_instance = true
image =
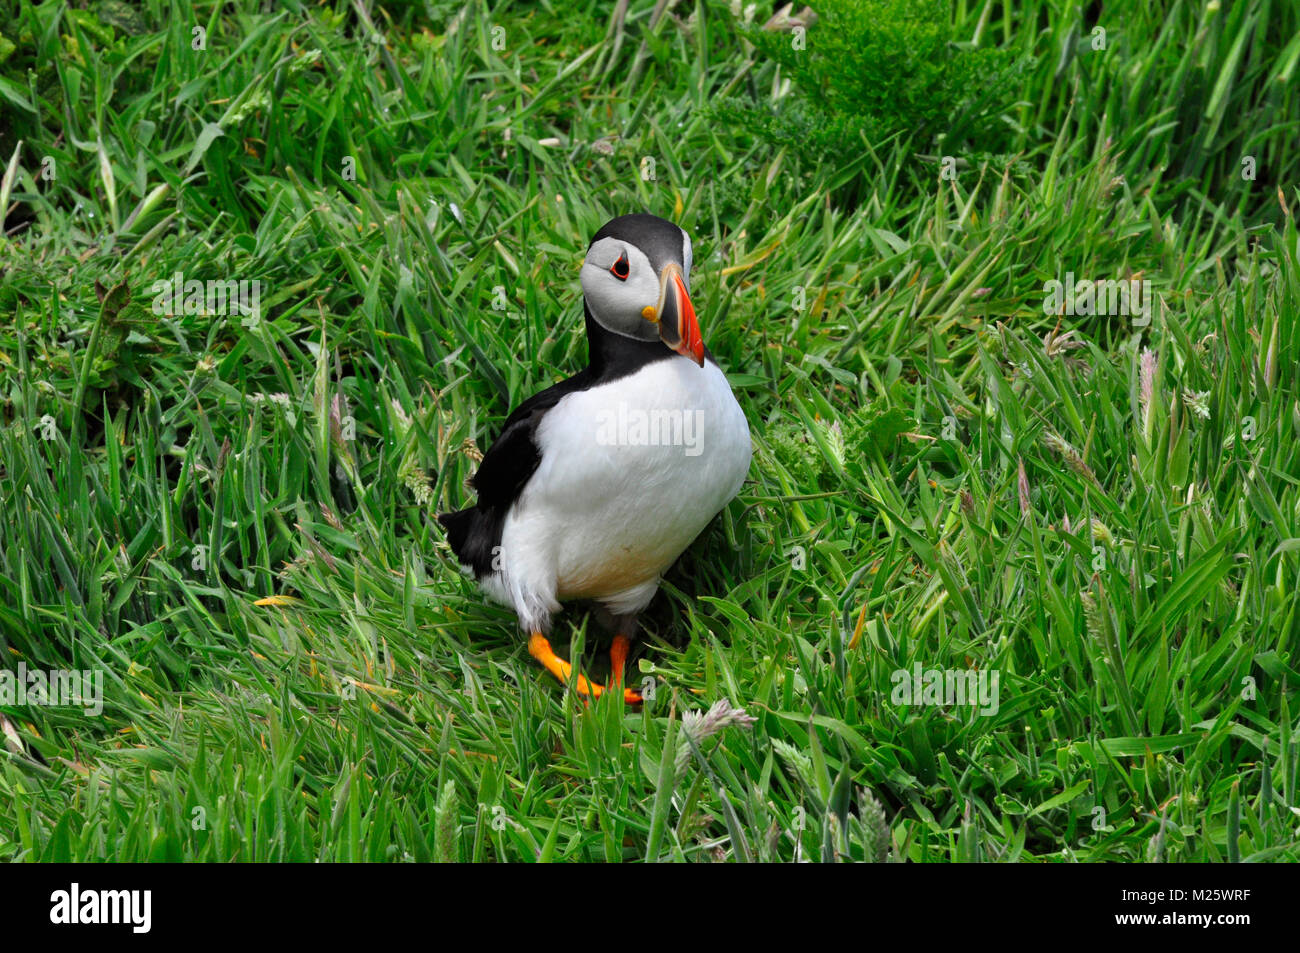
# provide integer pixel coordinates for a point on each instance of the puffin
(596, 485)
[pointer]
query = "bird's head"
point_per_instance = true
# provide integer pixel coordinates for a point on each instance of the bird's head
(636, 279)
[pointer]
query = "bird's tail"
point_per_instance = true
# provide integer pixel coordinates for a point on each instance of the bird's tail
(474, 536)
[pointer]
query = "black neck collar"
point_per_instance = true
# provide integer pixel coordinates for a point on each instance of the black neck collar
(610, 355)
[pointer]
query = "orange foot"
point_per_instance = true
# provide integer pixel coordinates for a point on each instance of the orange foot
(541, 650)
(617, 662)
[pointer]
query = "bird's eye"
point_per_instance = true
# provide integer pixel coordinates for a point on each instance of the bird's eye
(620, 268)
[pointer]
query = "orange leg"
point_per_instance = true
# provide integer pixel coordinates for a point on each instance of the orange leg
(617, 662)
(541, 650)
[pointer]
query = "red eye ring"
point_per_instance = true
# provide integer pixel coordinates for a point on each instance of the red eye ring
(620, 268)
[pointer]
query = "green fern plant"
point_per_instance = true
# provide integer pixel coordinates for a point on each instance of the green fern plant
(868, 70)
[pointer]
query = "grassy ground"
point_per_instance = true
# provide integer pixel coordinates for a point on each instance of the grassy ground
(233, 519)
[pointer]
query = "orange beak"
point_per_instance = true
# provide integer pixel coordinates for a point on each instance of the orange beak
(678, 327)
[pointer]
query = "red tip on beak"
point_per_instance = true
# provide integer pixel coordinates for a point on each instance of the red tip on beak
(688, 327)
(678, 328)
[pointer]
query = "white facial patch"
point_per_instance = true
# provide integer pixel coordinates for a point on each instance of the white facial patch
(617, 304)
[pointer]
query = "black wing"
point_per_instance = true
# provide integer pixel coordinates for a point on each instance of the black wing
(514, 456)
(475, 533)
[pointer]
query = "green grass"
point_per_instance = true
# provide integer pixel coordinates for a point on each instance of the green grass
(1104, 512)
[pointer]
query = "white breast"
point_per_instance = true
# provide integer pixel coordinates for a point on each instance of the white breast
(631, 472)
